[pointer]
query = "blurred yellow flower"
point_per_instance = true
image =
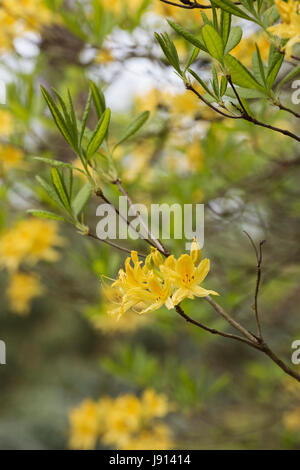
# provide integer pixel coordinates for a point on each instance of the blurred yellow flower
(10, 157)
(289, 27)
(6, 123)
(103, 56)
(119, 6)
(291, 420)
(84, 422)
(244, 50)
(158, 438)
(21, 290)
(29, 241)
(126, 422)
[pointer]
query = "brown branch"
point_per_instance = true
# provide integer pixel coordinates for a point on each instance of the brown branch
(291, 111)
(191, 5)
(258, 253)
(213, 331)
(113, 245)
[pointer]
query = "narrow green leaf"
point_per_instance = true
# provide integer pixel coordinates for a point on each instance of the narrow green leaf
(274, 69)
(81, 199)
(225, 25)
(46, 215)
(86, 115)
(293, 73)
(52, 194)
(192, 57)
(57, 116)
(134, 126)
(99, 133)
(60, 187)
(229, 6)
(57, 163)
(213, 42)
(202, 83)
(98, 98)
(239, 74)
(234, 38)
(245, 93)
(187, 35)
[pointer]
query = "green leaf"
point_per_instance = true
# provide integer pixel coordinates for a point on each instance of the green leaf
(50, 191)
(225, 25)
(98, 98)
(86, 115)
(81, 199)
(202, 83)
(274, 69)
(57, 116)
(245, 93)
(229, 6)
(57, 163)
(293, 73)
(46, 215)
(213, 42)
(99, 133)
(134, 126)
(223, 86)
(258, 67)
(60, 187)
(192, 57)
(234, 38)
(270, 16)
(187, 35)
(239, 74)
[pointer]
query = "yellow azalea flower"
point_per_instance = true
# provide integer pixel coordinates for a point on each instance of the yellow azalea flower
(29, 241)
(155, 294)
(125, 422)
(6, 123)
(21, 290)
(10, 157)
(118, 6)
(186, 276)
(154, 404)
(158, 438)
(289, 27)
(84, 422)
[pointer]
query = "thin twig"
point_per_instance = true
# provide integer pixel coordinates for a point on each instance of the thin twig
(191, 5)
(157, 242)
(258, 253)
(213, 331)
(291, 111)
(114, 245)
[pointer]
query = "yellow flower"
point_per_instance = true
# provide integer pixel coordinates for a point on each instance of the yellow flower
(289, 28)
(84, 423)
(119, 6)
(154, 404)
(291, 420)
(6, 123)
(158, 438)
(244, 50)
(103, 56)
(29, 241)
(125, 422)
(186, 276)
(21, 290)
(10, 157)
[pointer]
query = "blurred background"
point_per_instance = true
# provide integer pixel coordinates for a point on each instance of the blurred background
(65, 355)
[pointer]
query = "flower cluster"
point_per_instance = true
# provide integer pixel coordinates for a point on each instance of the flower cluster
(126, 422)
(158, 282)
(10, 158)
(28, 242)
(289, 27)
